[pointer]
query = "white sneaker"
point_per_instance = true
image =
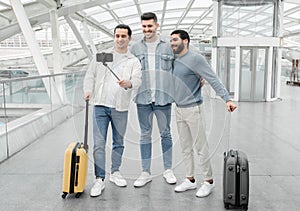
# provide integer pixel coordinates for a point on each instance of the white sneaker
(186, 185)
(205, 189)
(96, 190)
(169, 176)
(117, 178)
(143, 179)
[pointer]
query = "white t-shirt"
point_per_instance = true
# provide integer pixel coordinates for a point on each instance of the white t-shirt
(151, 62)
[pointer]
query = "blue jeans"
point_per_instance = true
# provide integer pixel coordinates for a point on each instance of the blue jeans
(101, 118)
(163, 116)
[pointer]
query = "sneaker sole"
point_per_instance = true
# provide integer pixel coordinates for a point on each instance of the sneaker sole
(179, 191)
(171, 183)
(97, 195)
(139, 186)
(122, 186)
(203, 195)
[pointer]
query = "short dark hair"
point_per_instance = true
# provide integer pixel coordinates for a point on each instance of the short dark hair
(123, 26)
(149, 16)
(182, 34)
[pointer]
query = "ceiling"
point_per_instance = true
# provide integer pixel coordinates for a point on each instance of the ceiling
(102, 16)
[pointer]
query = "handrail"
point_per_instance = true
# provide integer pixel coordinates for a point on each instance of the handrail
(37, 76)
(33, 95)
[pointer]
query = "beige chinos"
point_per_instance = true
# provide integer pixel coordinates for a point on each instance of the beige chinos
(191, 129)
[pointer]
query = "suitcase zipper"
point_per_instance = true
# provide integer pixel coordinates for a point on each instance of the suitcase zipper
(238, 174)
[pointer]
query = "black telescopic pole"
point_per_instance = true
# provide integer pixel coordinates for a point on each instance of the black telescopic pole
(111, 70)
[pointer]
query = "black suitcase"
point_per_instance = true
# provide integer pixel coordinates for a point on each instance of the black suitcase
(236, 180)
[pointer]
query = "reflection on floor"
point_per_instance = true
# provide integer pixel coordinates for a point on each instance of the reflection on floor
(267, 132)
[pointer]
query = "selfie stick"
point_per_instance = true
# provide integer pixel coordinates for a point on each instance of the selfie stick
(111, 70)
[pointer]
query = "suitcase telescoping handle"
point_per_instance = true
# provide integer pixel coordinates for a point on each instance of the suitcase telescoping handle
(86, 126)
(229, 128)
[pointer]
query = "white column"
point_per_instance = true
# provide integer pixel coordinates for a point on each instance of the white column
(214, 51)
(215, 30)
(269, 74)
(237, 73)
(57, 59)
(57, 55)
(281, 13)
(88, 37)
(35, 50)
(79, 37)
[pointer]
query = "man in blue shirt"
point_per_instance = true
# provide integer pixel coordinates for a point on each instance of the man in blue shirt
(154, 96)
(189, 68)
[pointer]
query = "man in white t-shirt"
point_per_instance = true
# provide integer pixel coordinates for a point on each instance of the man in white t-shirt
(111, 93)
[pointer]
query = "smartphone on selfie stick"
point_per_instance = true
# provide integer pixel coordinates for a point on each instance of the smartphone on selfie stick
(106, 57)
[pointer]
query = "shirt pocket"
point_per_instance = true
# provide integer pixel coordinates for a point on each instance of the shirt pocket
(166, 62)
(142, 59)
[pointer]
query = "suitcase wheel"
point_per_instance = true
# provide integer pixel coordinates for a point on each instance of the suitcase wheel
(226, 206)
(64, 195)
(77, 195)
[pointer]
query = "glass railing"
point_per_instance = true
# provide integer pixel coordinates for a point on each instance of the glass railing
(28, 91)
(25, 98)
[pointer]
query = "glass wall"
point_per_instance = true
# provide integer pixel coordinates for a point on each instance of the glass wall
(253, 74)
(29, 93)
(226, 70)
(247, 32)
(246, 18)
(28, 110)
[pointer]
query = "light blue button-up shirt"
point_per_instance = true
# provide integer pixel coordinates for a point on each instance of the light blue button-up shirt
(164, 58)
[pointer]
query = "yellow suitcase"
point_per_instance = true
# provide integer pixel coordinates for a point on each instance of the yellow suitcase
(76, 165)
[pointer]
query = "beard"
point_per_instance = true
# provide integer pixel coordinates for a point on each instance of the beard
(180, 47)
(149, 34)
